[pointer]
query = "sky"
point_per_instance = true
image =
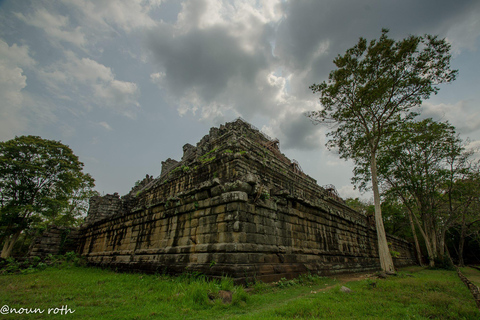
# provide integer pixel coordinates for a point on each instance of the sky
(127, 83)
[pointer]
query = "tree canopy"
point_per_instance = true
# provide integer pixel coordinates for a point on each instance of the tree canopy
(39, 180)
(372, 92)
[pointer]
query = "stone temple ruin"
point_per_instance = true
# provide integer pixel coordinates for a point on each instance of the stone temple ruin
(234, 205)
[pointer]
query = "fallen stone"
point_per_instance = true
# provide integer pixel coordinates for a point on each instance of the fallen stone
(345, 289)
(226, 296)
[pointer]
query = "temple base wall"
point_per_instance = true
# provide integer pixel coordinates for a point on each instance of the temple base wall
(229, 234)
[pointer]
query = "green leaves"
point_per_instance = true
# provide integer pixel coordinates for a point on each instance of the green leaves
(419, 156)
(375, 88)
(38, 178)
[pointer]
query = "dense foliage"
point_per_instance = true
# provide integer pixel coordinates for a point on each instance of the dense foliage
(41, 181)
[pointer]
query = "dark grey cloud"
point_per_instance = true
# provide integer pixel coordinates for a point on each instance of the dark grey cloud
(338, 24)
(226, 66)
(203, 59)
(298, 132)
(223, 67)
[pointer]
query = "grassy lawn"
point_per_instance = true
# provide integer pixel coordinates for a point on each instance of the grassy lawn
(472, 275)
(102, 294)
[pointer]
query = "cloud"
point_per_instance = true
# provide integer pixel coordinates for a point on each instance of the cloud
(243, 16)
(312, 33)
(12, 81)
(209, 69)
(474, 147)
(16, 55)
(157, 78)
(464, 116)
(105, 125)
(238, 58)
(85, 23)
(56, 26)
(349, 191)
(12, 84)
(464, 31)
(92, 84)
(217, 62)
(126, 15)
(295, 131)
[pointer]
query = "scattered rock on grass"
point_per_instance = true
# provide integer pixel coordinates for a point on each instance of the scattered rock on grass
(345, 289)
(226, 296)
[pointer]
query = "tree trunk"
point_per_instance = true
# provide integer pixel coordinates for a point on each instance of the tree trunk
(461, 244)
(9, 243)
(441, 243)
(434, 241)
(415, 238)
(386, 262)
(447, 253)
(430, 252)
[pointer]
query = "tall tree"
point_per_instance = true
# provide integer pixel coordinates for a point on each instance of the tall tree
(38, 180)
(373, 90)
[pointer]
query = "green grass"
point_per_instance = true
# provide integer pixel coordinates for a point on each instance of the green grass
(102, 294)
(429, 294)
(472, 275)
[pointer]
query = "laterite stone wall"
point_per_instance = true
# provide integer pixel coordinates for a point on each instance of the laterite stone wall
(234, 205)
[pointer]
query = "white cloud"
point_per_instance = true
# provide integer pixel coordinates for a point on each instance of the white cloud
(84, 23)
(105, 125)
(474, 147)
(16, 55)
(126, 15)
(56, 26)
(465, 32)
(243, 15)
(94, 83)
(158, 78)
(12, 82)
(462, 115)
(249, 22)
(295, 130)
(349, 191)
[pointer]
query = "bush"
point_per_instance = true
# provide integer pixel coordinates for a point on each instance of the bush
(34, 264)
(239, 296)
(443, 263)
(226, 283)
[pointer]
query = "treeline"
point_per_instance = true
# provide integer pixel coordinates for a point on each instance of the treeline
(420, 167)
(430, 187)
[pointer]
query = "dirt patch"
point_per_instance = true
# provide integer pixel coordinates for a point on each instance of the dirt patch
(343, 278)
